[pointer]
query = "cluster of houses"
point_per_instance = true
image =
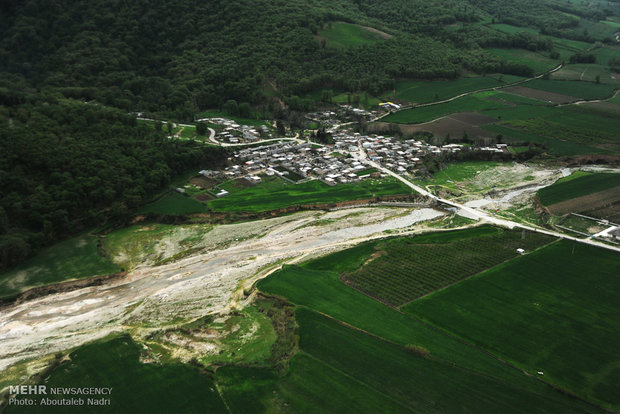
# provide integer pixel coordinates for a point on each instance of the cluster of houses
(301, 161)
(343, 113)
(334, 164)
(233, 133)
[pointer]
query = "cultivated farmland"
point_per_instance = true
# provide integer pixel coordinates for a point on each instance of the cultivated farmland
(554, 312)
(577, 187)
(403, 270)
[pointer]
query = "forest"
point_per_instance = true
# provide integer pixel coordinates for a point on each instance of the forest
(66, 166)
(185, 56)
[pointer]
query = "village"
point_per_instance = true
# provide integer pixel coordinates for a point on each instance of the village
(333, 164)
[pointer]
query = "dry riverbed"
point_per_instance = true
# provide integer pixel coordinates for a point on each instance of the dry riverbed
(214, 280)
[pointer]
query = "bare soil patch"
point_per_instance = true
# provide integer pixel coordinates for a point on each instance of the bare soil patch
(203, 197)
(541, 95)
(202, 182)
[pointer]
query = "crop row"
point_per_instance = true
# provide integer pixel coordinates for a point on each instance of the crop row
(410, 270)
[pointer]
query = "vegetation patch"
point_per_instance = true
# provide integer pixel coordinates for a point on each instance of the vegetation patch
(76, 258)
(339, 34)
(174, 204)
(581, 186)
(411, 268)
(274, 193)
(581, 89)
(550, 312)
(137, 387)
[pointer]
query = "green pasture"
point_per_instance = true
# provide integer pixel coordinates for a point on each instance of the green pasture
(424, 91)
(274, 193)
(580, 89)
(536, 61)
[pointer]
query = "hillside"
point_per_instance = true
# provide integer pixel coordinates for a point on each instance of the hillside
(184, 56)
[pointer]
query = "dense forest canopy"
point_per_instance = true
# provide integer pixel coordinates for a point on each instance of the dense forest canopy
(187, 55)
(66, 166)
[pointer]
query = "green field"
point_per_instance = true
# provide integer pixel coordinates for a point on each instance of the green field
(580, 89)
(75, 258)
(407, 269)
(415, 348)
(339, 34)
(470, 103)
(274, 193)
(421, 92)
(136, 387)
(536, 61)
(555, 147)
(586, 72)
(174, 204)
(554, 311)
(578, 187)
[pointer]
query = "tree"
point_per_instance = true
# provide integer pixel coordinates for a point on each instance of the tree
(231, 107)
(280, 127)
(201, 128)
(245, 110)
(598, 79)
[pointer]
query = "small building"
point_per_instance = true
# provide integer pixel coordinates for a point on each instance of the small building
(222, 193)
(520, 251)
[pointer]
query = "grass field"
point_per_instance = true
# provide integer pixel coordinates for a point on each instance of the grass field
(421, 92)
(578, 187)
(274, 193)
(555, 147)
(471, 103)
(174, 204)
(551, 311)
(586, 72)
(340, 34)
(407, 269)
(75, 258)
(585, 90)
(136, 387)
(536, 61)
(411, 365)
(153, 243)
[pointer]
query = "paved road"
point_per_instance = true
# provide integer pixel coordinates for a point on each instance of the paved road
(482, 215)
